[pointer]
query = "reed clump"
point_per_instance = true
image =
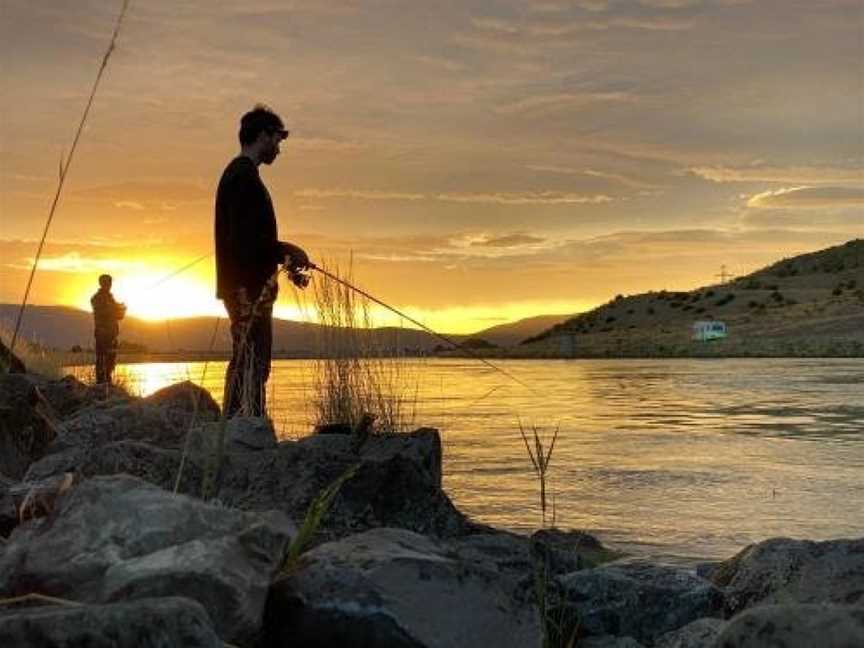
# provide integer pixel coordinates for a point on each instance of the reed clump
(540, 456)
(360, 372)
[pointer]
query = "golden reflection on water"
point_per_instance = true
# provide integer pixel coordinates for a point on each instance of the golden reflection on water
(672, 459)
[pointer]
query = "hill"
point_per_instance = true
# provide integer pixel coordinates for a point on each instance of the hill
(808, 305)
(511, 334)
(61, 327)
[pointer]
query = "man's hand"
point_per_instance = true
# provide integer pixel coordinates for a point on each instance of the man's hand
(295, 256)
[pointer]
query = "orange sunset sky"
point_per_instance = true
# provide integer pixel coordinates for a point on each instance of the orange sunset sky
(483, 161)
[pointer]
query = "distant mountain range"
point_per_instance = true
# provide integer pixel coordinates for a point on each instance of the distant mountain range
(808, 305)
(61, 327)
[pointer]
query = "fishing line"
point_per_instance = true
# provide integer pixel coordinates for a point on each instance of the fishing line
(428, 330)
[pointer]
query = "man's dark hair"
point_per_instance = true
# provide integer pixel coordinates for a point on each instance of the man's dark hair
(259, 120)
(105, 281)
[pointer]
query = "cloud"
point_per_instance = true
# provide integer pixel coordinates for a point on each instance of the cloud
(809, 198)
(794, 175)
(497, 198)
(129, 204)
(633, 183)
(562, 101)
(509, 241)
(74, 262)
(363, 194)
(526, 198)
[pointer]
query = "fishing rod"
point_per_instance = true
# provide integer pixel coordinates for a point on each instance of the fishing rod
(302, 280)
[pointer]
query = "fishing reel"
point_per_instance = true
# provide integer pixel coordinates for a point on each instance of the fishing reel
(299, 276)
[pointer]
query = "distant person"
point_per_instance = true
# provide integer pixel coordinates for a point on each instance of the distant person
(107, 312)
(248, 252)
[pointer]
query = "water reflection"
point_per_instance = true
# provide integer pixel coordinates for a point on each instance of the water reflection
(672, 458)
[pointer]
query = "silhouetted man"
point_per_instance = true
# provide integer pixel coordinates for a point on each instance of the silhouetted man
(106, 314)
(248, 253)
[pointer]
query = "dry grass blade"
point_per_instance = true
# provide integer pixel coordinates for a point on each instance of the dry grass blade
(540, 458)
(64, 169)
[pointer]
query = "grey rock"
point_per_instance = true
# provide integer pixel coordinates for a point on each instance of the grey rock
(397, 589)
(162, 419)
(795, 626)
(637, 599)
(398, 483)
(251, 433)
(609, 641)
(701, 633)
(145, 623)
(118, 538)
(781, 570)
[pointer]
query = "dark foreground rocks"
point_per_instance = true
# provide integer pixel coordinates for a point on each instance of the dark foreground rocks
(150, 522)
(392, 587)
(118, 538)
(782, 570)
(637, 599)
(795, 626)
(145, 623)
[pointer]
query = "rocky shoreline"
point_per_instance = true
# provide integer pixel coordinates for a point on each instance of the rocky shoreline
(103, 545)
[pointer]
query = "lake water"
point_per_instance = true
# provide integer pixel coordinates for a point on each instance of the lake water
(676, 460)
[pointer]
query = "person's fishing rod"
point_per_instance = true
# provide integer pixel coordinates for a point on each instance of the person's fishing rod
(301, 279)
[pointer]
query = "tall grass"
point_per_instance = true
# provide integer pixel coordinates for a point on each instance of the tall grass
(358, 373)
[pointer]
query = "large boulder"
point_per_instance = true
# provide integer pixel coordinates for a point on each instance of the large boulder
(397, 589)
(794, 571)
(119, 538)
(397, 483)
(637, 599)
(145, 623)
(162, 419)
(795, 626)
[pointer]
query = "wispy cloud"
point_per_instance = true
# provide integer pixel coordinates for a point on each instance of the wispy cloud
(526, 198)
(633, 183)
(362, 194)
(508, 241)
(809, 198)
(800, 175)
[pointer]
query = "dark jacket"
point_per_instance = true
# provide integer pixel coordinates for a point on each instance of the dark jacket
(106, 313)
(247, 246)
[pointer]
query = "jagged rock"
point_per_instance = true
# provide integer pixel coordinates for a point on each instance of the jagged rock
(118, 538)
(162, 419)
(397, 589)
(795, 626)
(637, 599)
(397, 483)
(27, 425)
(701, 633)
(781, 570)
(145, 623)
